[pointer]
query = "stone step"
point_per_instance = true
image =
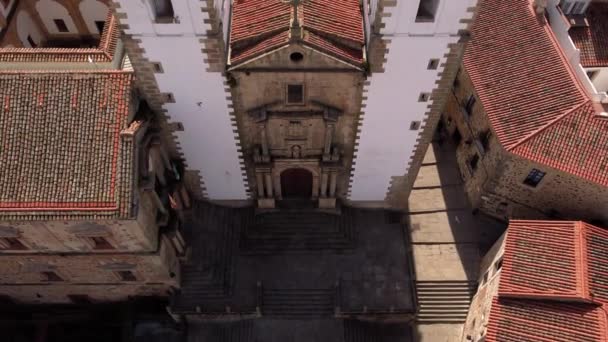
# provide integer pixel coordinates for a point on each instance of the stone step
(293, 303)
(444, 301)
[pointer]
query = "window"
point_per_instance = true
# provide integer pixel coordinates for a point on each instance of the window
(592, 73)
(295, 94)
(456, 137)
(79, 299)
(573, 7)
(100, 25)
(469, 104)
(31, 41)
(485, 278)
(424, 97)
(497, 265)
(296, 57)
(126, 275)
(473, 161)
(534, 177)
(158, 68)
(426, 11)
(99, 242)
(484, 139)
(578, 8)
(11, 243)
(415, 125)
(50, 276)
(433, 64)
(163, 11)
(61, 27)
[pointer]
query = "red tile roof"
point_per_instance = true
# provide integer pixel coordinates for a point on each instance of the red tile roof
(516, 320)
(553, 283)
(333, 27)
(544, 259)
(533, 100)
(104, 53)
(592, 41)
(60, 145)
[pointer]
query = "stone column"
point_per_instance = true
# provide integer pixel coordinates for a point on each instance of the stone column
(329, 132)
(268, 181)
(264, 140)
(324, 180)
(259, 179)
(315, 186)
(333, 178)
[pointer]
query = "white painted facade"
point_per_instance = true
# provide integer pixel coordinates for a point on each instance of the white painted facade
(92, 11)
(208, 141)
(386, 144)
(50, 10)
(596, 89)
(26, 27)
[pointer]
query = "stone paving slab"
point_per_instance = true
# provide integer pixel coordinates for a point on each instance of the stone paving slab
(422, 200)
(446, 261)
(436, 176)
(444, 227)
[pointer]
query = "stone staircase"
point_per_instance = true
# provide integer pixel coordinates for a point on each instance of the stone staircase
(241, 331)
(208, 276)
(444, 301)
(298, 231)
(298, 303)
(361, 331)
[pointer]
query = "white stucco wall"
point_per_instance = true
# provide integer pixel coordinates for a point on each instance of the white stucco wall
(92, 11)
(25, 27)
(4, 10)
(208, 141)
(560, 27)
(600, 81)
(386, 142)
(50, 10)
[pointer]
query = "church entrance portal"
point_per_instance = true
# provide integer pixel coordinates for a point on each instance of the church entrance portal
(296, 183)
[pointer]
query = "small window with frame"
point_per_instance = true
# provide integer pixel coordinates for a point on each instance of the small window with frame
(12, 243)
(534, 178)
(295, 94)
(99, 243)
(51, 276)
(126, 275)
(100, 24)
(61, 26)
(427, 9)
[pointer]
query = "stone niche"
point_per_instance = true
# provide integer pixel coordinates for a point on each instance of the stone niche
(295, 155)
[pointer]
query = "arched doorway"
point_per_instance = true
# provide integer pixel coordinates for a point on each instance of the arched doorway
(296, 183)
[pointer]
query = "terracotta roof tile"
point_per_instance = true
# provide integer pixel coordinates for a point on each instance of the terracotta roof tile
(60, 141)
(104, 53)
(543, 259)
(515, 320)
(592, 41)
(533, 100)
(597, 259)
(259, 26)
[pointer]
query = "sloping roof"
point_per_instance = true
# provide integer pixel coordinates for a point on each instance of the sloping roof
(513, 320)
(104, 53)
(261, 26)
(543, 258)
(556, 260)
(553, 283)
(60, 142)
(592, 41)
(533, 100)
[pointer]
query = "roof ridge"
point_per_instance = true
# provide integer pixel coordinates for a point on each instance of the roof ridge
(581, 262)
(549, 124)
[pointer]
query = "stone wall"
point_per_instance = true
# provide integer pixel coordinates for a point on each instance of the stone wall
(496, 186)
(326, 81)
(489, 280)
(88, 274)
